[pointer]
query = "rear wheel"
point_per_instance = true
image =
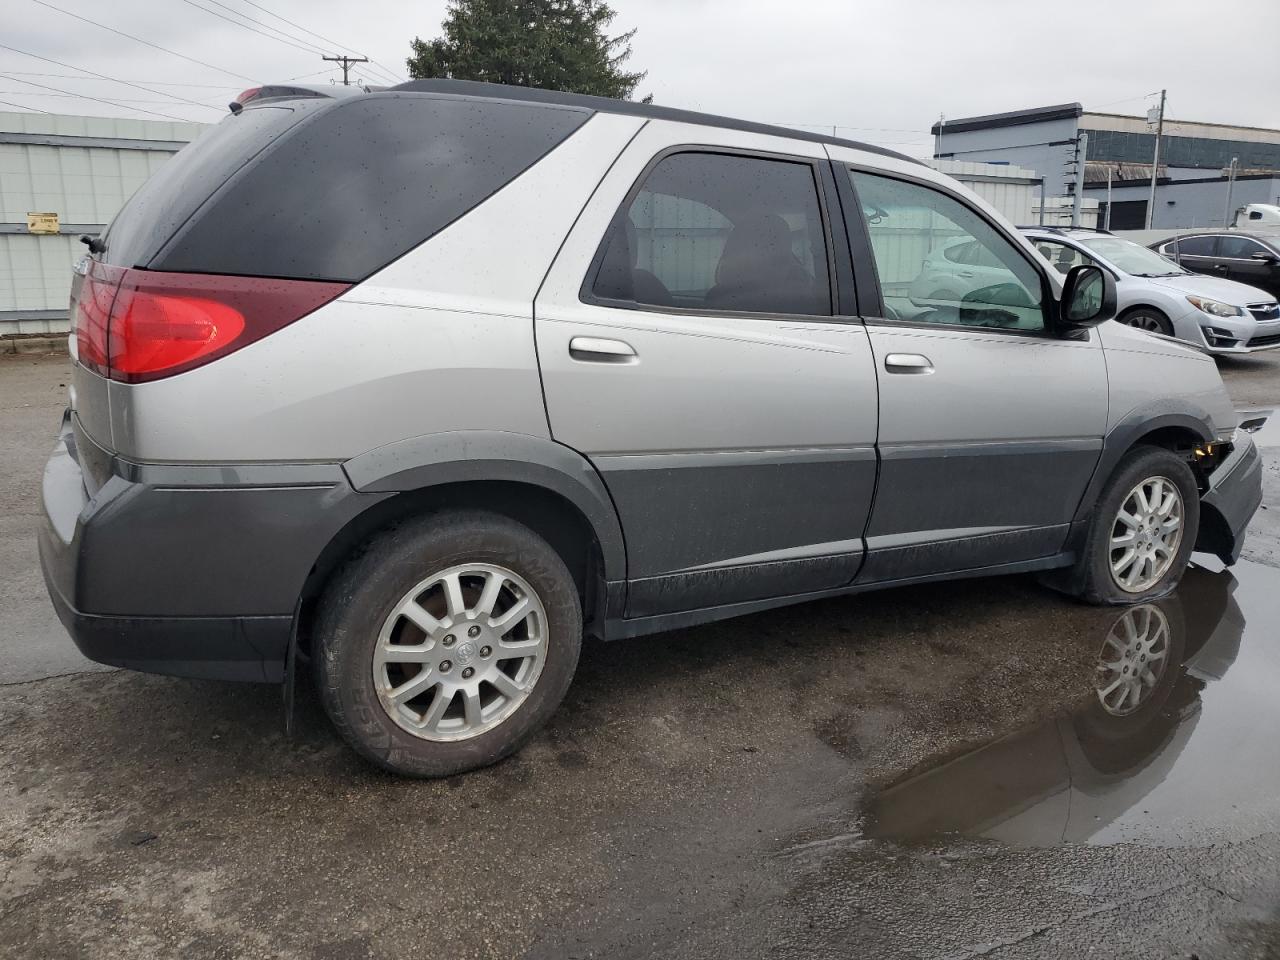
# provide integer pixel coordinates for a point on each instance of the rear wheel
(447, 643)
(1150, 319)
(1143, 529)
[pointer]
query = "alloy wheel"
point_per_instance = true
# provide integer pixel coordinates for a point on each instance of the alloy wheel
(1146, 534)
(1133, 659)
(1146, 321)
(460, 652)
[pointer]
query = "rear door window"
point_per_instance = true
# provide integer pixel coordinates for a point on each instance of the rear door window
(719, 233)
(1191, 247)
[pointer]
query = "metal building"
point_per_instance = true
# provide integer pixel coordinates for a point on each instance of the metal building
(62, 176)
(1120, 150)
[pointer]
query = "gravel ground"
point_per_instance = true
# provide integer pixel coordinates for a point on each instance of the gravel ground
(703, 793)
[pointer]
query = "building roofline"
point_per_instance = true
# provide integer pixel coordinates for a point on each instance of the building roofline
(1013, 118)
(1194, 123)
(498, 91)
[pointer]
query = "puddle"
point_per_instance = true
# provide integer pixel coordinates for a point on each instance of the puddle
(1178, 743)
(1269, 435)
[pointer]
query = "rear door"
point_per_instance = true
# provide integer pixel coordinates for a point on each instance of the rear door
(695, 346)
(1197, 254)
(990, 425)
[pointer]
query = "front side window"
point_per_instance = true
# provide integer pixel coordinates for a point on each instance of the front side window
(1238, 248)
(940, 262)
(718, 232)
(1063, 256)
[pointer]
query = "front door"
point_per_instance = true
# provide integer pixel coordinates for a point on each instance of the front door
(1242, 257)
(690, 349)
(990, 425)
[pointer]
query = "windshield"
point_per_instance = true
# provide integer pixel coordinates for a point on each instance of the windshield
(1133, 259)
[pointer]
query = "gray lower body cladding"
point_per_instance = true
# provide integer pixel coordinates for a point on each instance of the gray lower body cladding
(195, 571)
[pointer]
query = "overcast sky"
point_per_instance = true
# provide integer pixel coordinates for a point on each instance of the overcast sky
(878, 70)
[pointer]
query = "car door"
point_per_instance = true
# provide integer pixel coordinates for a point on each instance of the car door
(1243, 260)
(694, 348)
(990, 424)
(1197, 254)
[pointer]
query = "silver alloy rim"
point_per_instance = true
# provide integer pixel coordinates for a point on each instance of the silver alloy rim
(1146, 321)
(1133, 659)
(1146, 534)
(460, 652)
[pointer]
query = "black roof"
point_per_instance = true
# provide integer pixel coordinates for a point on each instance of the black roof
(1014, 118)
(473, 88)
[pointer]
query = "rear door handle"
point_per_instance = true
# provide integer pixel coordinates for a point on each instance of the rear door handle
(908, 363)
(601, 350)
(965, 273)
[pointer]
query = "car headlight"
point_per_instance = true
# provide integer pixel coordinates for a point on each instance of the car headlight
(1215, 308)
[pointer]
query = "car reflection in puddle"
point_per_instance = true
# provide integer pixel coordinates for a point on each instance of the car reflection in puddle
(1177, 744)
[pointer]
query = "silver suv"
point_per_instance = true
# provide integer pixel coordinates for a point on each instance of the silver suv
(419, 385)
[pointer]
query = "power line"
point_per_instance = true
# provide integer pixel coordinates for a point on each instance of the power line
(28, 93)
(21, 107)
(83, 96)
(103, 76)
(183, 56)
(154, 83)
(223, 16)
(341, 46)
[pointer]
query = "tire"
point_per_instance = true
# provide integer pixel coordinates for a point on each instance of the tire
(409, 610)
(1150, 319)
(1101, 584)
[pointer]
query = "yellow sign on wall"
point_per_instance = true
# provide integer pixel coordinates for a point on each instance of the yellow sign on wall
(42, 223)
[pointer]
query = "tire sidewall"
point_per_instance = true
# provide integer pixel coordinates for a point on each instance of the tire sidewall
(366, 592)
(1166, 327)
(1140, 464)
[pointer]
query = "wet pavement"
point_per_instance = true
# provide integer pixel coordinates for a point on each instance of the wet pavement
(941, 771)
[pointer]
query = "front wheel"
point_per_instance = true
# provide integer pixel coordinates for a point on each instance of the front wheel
(1151, 320)
(447, 643)
(1143, 529)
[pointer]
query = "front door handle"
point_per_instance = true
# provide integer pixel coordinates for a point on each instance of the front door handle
(916, 363)
(601, 350)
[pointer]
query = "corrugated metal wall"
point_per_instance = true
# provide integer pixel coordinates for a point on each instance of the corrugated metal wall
(81, 168)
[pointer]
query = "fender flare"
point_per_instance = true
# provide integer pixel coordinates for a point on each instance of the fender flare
(1150, 416)
(460, 456)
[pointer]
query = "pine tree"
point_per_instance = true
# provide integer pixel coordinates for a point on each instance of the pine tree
(556, 44)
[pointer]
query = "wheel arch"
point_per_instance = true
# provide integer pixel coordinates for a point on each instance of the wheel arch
(1172, 424)
(546, 486)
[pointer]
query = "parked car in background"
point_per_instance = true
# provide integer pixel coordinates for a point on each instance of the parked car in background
(1244, 257)
(1155, 294)
(543, 365)
(954, 269)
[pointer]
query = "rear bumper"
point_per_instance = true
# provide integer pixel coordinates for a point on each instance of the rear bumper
(194, 571)
(1235, 492)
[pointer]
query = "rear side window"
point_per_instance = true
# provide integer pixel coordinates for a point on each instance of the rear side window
(361, 182)
(717, 232)
(183, 183)
(1191, 247)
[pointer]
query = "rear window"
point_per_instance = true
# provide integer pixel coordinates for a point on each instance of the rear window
(360, 183)
(166, 200)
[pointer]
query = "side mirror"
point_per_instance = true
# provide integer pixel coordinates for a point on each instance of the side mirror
(1088, 297)
(1266, 256)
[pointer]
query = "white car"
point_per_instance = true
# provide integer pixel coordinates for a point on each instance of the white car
(1156, 294)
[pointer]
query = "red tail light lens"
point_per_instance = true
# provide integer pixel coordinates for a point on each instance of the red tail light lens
(147, 325)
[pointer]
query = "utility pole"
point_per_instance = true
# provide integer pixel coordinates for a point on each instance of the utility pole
(1231, 183)
(346, 65)
(1107, 225)
(1155, 164)
(1082, 151)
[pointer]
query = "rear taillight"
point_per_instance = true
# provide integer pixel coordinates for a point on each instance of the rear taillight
(138, 325)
